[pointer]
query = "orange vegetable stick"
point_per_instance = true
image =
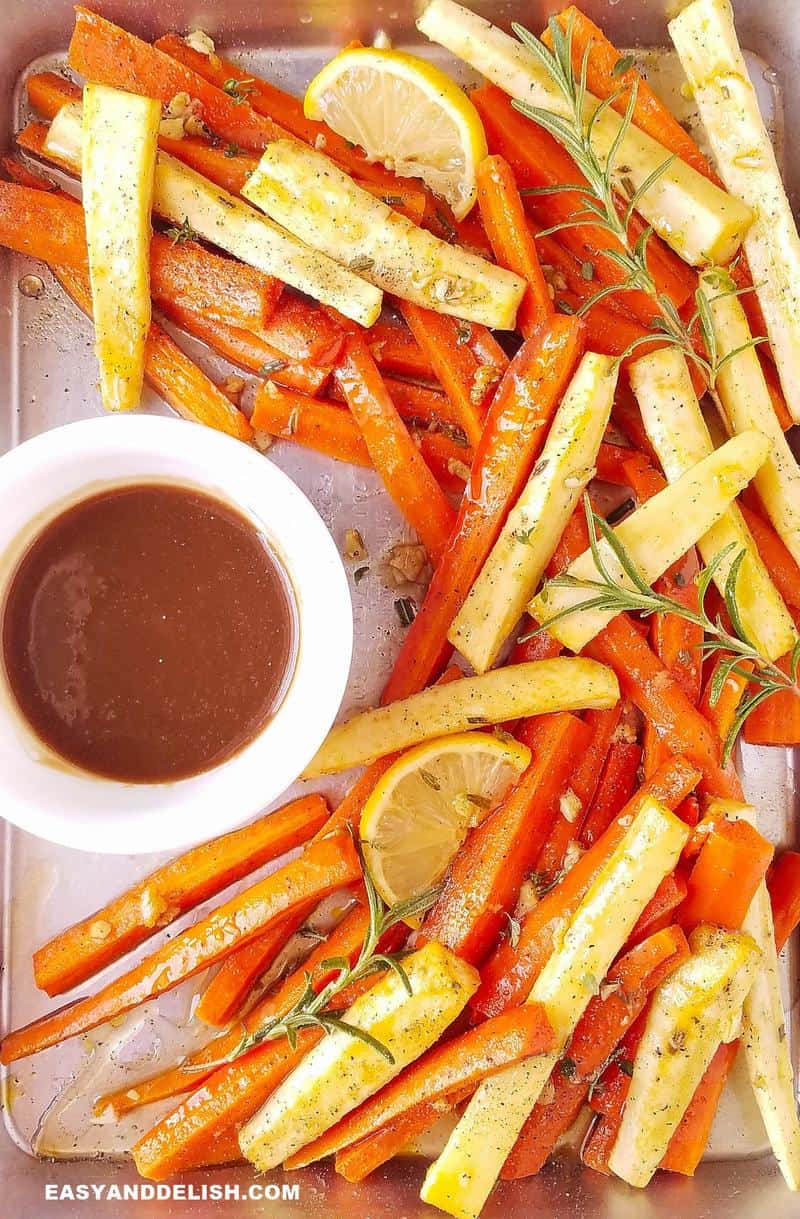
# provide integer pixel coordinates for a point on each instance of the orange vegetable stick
(649, 684)
(465, 359)
(729, 868)
(128, 920)
(783, 883)
(249, 351)
(659, 911)
(503, 217)
(279, 107)
(609, 1100)
(307, 421)
(344, 941)
(397, 352)
(689, 1140)
(448, 461)
(583, 785)
(539, 161)
(722, 713)
(614, 790)
(773, 384)
(484, 880)
(49, 91)
(606, 1020)
(392, 451)
(324, 866)
(610, 463)
(628, 418)
(509, 974)
(783, 569)
(357, 1161)
(51, 226)
(421, 404)
(173, 376)
(458, 1065)
(513, 437)
(109, 55)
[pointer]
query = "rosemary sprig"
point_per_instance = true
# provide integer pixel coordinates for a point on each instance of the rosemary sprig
(573, 127)
(732, 650)
(317, 1009)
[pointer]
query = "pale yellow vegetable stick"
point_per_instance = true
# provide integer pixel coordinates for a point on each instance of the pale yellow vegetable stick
(119, 141)
(679, 434)
(511, 574)
(698, 219)
(655, 536)
(341, 1071)
(745, 400)
(705, 39)
(183, 196)
(309, 195)
(697, 1008)
(532, 688)
(764, 1041)
(462, 1178)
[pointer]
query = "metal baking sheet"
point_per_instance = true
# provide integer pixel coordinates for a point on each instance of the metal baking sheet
(47, 359)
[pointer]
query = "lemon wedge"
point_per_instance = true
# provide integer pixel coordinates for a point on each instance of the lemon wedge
(419, 813)
(406, 113)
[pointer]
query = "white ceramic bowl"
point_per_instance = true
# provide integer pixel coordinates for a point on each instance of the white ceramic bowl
(54, 800)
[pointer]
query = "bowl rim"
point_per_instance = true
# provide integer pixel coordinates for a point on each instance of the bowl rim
(53, 799)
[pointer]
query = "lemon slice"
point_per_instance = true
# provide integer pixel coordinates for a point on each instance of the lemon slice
(406, 113)
(419, 813)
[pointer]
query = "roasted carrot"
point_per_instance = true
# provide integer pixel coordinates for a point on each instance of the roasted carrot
(344, 941)
(649, 684)
(249, 351)
(467, 362)
(458, 1065)
(392, 451)
(357, 1161)
(49, 91)
(609, 1015)
(722, 712)
(628, 418)
(51, 226)
(615, 789)
(783, 569)
(420, 404)
(773, 384)
(275, 105)
(504, 219)
(732, 863)
(326, 865)
(485, 877)
(173, 376)
(783, 883)
(187, 1137)
(88, 946)
(513, 438)
(447, 459)
(660, 910)
(316, 425)
(17, 171)
(582, 788)
(689, 1141)
(508, 975)
(397, 353)
(776, 721)
(103, 52)
(608, 1100)
(539, 161)
(610, 463)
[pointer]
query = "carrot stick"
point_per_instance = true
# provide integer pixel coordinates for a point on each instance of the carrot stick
(729, 868)
(538, 161)
(344, 941)
(392, 451)
(109, 55)
(503, 217)
(773, 384)
(116, 928)
(325, 866)
(606, 1020)
(513, 437)
(508, 975)
(397, 352)
(614, 790)
(776, 721)
(51, 226)
(660, 910)
(447, 460)
(15, 169)
(608, 1100)
(249, 351)
(485, 877)
(316, 425)
(188, 1137)
(610, 463)
(582, 786)
(628, 418)
(649, 684)
(783, 883)
(455, 351)
(458, 1065)
(689, 1141)
(783, 569)
(173, 376)
(357, 1161)
(420, 404)
(273, 104)
(722, 713)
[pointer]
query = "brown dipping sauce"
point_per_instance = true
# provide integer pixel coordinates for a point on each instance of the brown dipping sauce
(148, 633)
